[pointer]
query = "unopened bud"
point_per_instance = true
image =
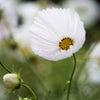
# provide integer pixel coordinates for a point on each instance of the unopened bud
(11, 81)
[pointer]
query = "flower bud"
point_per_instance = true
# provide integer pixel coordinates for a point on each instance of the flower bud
(11, 81)
(20, 98)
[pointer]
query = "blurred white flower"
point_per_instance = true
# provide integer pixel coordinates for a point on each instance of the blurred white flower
(57, 33)
(93, 65)
(27, 11)
(8, 20)
(87, 9)
(11, 80)
(96, 51)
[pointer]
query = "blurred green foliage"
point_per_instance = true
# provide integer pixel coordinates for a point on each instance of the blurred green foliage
(53, 75)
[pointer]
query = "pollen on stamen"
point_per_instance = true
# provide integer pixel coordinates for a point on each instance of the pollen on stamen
(65, 43)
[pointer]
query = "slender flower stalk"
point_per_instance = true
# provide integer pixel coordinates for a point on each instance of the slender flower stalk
(69, 87)
(5, 67)
(30, 90)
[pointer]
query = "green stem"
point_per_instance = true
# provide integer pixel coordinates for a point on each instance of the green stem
(30, 90)
(5, 67)
(69, 87)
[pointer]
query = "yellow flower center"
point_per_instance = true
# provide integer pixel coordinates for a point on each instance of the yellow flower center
(65, 43)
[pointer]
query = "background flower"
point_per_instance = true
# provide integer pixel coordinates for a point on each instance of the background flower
(93, 65)
(8, 22)
(26, 11)
(87, 9)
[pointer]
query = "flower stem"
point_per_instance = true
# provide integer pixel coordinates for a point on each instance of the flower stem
(69, 87)
(30, 90)
(5, 67)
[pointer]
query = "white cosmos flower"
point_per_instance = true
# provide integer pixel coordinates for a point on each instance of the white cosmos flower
(87, 9)
(57, 33)
(8, 8)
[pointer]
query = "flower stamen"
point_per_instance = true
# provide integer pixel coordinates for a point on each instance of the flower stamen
(65, 43)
